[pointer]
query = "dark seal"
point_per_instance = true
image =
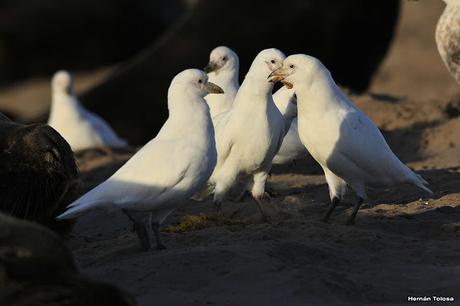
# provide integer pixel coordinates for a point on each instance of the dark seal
(38, 174)
(37, 269)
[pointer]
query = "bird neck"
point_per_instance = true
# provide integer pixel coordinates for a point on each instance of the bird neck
(187, 117)
(452, 3)
(256, 87)
(228, 77)
(62, 101)
(319, 95)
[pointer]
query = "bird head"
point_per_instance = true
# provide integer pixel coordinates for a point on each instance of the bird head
(296, 69)
(62, 82)
(194, 82)
(222, 59)
(265, 63)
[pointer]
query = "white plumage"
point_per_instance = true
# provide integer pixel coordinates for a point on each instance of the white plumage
(81, 128)
(168, 169)
(448, 37)
(249, 135)
(343, 140)
(292, 148)
(223, 70)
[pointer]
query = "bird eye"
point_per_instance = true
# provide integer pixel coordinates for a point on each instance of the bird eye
(291, 66)
(272, 61)
(224, 58)
(200, 81)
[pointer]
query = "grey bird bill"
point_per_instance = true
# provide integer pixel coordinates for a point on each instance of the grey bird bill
(278, 76)
(210, 67)
(213, 88)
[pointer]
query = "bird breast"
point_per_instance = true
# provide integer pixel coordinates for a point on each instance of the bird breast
(448, 39)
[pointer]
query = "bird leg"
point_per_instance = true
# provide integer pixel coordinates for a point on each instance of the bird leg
(334, 202)
(218, 207)
(258, 201)
(351, 220)
(258, 191)
(156, 232)
(140, 228)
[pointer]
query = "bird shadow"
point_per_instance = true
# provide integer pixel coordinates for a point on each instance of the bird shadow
(304, 166)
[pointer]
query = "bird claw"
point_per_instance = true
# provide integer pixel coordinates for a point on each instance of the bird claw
(218, 208)
(350, 222)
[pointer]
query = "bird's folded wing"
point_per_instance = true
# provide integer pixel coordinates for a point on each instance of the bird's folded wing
(156, 169)
(363, 146)
(107, 133)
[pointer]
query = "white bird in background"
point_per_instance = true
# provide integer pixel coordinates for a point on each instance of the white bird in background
(292, 148)
(223, 70)
(343, 140)
(249, 135)
(169, 169)
(448, 37)
(81, 128)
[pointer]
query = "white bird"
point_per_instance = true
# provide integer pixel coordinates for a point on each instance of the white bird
(168, 169)
(448, 37)
(292, 148)
(343, 140)
(81, 128)
(223, 70)
(249, 135)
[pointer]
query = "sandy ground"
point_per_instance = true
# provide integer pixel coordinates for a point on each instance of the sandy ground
(403, 244)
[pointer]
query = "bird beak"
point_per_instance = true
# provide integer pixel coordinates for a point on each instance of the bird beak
(210, 67)
(213, 88)
(279, 75)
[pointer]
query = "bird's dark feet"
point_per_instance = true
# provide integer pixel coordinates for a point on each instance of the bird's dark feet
(218, 208)
(350, 221)
(161, 246)
(331, 208)
(263, 214)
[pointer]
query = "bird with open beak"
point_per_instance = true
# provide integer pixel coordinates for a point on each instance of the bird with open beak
(342, 139)
(250, 134)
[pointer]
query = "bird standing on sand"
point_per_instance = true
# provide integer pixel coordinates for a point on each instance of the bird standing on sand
(448, 37)
(169, 169)
(343, 140)
(81, 128)
(249, 135)
(223, 69)
(292, 148)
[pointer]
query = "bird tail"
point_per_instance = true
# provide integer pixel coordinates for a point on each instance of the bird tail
(91, 200)
(420, 182)
(204, 192)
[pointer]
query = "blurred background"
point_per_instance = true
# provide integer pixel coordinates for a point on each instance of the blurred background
(124, 53)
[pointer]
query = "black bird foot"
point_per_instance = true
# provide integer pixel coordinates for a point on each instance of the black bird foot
(161, 247)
